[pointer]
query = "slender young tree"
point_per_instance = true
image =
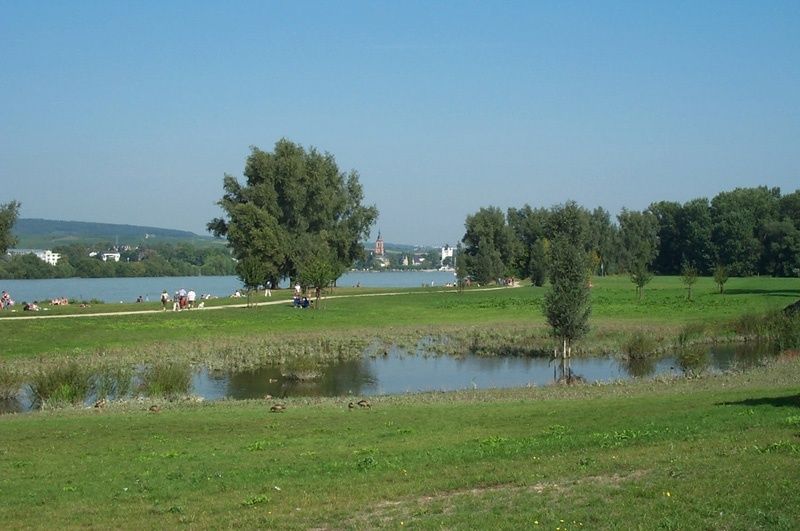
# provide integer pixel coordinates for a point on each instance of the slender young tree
(567, 301)
(688, 277)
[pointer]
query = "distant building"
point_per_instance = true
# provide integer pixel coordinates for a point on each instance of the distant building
(447, 252)
(404, 261)
(114, 257)
(45, 255)
(379, 250)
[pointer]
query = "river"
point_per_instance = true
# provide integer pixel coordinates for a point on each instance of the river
(128, 289)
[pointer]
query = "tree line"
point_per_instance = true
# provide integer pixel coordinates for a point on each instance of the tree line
(746, 231)
(157, 260)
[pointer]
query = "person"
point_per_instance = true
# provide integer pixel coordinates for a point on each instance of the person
(305, 303)
(176, 302)
(164, 299)
(191, 296)
(296, 301)
(297, 289)
(268, 289)
(139, 299)
(5, 300)
(182, 298)
(32, 307)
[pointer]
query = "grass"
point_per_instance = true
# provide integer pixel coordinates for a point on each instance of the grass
(663, 313)
(713, 452)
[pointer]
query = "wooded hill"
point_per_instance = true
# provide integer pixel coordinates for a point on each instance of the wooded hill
(46, 233)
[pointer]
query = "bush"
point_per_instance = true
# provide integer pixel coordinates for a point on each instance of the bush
(640, 345)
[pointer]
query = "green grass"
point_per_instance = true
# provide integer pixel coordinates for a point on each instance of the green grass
(711, 453)
(663, 313)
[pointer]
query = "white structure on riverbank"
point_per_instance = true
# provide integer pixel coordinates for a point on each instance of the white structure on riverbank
(45, 255)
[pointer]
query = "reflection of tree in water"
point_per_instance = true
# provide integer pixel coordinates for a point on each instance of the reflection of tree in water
(338, 379)
(562, 372)
(639, 367)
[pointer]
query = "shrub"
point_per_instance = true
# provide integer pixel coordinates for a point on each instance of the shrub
(639, 345)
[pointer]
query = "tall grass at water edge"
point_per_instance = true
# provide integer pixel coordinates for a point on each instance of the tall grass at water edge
(169, 380)
(64, 383)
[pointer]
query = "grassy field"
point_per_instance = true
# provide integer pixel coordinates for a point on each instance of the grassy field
(720, 452)
(663, 312)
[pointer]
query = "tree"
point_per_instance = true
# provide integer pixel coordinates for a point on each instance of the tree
(721, 277)
(293, 198)
(639, 239)
(251, 272)
(737, 217)
(567, 301)
(316, 271)
(461, 267)
(688, 277)
(488, 245)
(8, 216)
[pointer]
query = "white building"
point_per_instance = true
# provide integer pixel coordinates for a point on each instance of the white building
(447, 252)
(45, 255)
(110, 256)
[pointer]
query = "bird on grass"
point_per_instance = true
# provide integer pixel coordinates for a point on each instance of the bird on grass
(155, 408)
(278, 408)
(100, 403)
(364, 403)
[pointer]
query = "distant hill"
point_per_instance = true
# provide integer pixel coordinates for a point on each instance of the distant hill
(46, 233)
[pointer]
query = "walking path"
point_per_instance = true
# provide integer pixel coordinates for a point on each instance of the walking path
(224, 306)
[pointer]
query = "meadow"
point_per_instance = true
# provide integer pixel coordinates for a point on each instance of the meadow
(663, 313)
(709, 451)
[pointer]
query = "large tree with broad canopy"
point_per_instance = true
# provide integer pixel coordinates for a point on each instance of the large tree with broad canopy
(295, 204)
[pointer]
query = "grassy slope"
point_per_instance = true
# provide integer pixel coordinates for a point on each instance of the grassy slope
(717, 453)
(663, 309)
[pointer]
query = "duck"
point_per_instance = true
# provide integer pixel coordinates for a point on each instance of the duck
(155, 408)
(100, 403)
(351, 405)
(364, 403)
(278, 408)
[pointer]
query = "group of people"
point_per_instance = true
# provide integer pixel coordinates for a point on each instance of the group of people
(182, 300)
(6, 302)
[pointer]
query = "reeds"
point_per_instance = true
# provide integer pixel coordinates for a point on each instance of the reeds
(64, 383)
(170, 380)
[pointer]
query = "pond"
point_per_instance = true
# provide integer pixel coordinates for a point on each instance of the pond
(400, 372)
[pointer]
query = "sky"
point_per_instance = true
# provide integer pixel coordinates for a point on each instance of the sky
(132, 112)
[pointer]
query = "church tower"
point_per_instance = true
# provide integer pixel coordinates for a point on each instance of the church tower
(379, 245)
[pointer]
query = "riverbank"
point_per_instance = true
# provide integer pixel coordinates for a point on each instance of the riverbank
(677, 453)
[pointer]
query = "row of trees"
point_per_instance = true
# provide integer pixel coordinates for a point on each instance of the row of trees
(160, 260)
(746, 231)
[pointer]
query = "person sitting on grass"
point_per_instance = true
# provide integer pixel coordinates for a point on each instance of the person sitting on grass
(305, 303)
(296, 302)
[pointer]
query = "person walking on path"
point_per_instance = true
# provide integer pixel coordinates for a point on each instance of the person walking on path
(268, 289)
(164, 300)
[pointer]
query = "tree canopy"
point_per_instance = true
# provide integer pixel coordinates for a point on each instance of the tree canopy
(294, 204)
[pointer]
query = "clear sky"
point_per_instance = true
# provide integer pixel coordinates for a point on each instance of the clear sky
(131, 112)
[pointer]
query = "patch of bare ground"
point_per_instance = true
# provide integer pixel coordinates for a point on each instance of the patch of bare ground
(388, 512)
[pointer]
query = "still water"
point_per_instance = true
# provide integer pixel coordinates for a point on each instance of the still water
(128, 289)
(401, 372)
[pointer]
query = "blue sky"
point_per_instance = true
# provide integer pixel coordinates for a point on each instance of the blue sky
(131, 112)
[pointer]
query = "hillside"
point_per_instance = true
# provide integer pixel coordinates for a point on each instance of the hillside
(46, 233)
